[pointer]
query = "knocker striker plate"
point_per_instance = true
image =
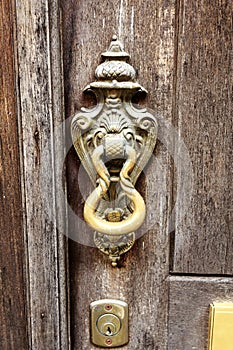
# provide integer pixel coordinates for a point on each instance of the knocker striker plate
(114, 141)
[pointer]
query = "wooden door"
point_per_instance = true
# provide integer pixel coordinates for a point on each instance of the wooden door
(182, 52)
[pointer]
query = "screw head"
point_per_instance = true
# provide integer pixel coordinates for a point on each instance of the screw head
(108, 341)
(108, 307)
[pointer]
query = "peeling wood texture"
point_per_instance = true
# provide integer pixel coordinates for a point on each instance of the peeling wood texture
(147, 30)
(190, 298)
(204, 118)
(13, 326)
(42, 151)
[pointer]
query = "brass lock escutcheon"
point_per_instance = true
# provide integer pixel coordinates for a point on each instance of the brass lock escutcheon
(114, 141)
(109, 323)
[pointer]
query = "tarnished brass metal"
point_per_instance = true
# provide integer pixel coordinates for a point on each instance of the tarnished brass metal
(114, 141)
(221, 326)
(109, 323)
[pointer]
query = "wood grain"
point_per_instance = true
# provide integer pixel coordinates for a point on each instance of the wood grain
(203, 238)
(13, 326)
(189, 301)
(147, 30)
(42, 157)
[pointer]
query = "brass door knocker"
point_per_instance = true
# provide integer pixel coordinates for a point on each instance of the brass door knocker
(114, 141)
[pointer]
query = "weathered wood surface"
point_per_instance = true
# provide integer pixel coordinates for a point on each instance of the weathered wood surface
(13, 325)
(147, 30)
(189, 301)
(42, 153)
(188, 75)
(204, 118)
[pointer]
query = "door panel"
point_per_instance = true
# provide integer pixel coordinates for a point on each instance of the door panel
(147, 30)
(13, 325)
(189, 300)
(203, 237)
(40, 108)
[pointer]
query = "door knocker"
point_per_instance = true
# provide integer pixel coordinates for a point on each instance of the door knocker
(114, 141)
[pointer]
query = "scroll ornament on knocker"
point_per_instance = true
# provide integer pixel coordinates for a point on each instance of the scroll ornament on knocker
(114, 141)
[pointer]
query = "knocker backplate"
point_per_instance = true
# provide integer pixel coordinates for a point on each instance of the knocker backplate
(114, 140)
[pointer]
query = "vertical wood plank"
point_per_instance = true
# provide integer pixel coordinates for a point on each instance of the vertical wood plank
(189, 301)
(13, 325)
(42, 153)
(203, 239)
(147, 30)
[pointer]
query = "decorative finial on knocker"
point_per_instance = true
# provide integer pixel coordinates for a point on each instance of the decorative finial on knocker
(114, 141)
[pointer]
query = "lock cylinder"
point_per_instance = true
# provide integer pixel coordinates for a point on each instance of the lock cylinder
(108, 324)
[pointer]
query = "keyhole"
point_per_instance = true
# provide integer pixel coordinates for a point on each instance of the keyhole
(108, 324)
(109, 331)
